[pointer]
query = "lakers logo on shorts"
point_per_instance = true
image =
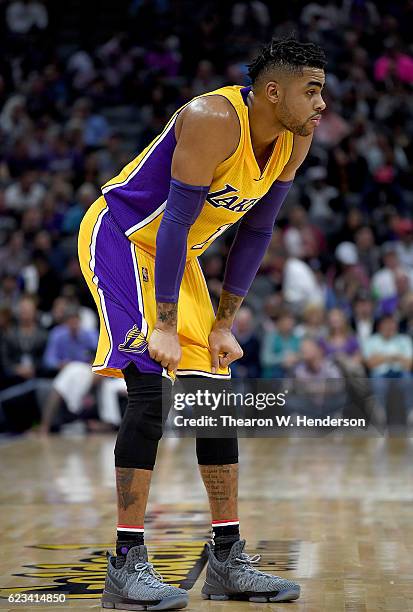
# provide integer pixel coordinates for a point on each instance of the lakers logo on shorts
(135, 341)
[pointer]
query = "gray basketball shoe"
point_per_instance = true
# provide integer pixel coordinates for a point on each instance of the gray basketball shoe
(235, 578)
(137, 586)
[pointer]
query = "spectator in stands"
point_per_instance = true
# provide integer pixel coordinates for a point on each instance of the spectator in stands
(321, 194)
(389, 355)
(23, 344)
(280, 347)
(10, 291)
(23, 17)
(394, 65)
(340, 340)
(249, 365)
(363, 320)
(384, 281)
(69, 342)
(313, 322)
(25, 193)
(299, 283)
(301, 238)
(318, 383)
(406, 314)
(69, 352)
(22, 348)
(404, 248)
(367, 250)
(350, 276)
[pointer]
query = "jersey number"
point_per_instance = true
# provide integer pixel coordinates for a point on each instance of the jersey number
(212, 237)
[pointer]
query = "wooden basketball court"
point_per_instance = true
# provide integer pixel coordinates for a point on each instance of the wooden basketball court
(334, 514)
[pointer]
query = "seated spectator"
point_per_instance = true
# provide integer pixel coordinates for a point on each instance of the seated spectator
(406, 314)
(302, 238)
(25, 193)
(367, 251)
(340, 340)
(389, 355)
(394, 65)
(300, 284)
(350, 276)
(363, 319)
(22, 349)
(384, 281)
(245, 332)
(69, 352)
(313, 322)
(23, 345)
(69, 342)
(318, 385)
(280, 347)
(85, 196)
(404, 248)
(320, 194)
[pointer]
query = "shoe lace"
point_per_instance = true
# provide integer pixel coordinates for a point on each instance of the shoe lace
(247, 562)
(149, 573)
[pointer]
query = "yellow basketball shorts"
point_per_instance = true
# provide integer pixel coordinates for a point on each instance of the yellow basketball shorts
(121, 278)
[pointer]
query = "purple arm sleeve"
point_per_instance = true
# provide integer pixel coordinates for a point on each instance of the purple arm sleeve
(183, 206)
(252, 239)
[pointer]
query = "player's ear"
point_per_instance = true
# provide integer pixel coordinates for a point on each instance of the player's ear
(272, 89)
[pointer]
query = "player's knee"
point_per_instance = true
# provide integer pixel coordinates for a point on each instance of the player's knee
(143, 422)
(217, 451)
(137, 441)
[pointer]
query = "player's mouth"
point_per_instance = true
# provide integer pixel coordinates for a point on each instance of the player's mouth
(316, 119)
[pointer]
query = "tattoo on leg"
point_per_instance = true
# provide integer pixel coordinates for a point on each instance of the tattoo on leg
(124, 478)
(221, 483)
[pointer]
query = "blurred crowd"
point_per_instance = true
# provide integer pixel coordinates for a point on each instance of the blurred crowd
(335, 290)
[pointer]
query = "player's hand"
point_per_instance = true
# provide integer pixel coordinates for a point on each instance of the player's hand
(164, 347)
(224, 348)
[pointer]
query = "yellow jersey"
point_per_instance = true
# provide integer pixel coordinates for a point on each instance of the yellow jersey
(137, 196)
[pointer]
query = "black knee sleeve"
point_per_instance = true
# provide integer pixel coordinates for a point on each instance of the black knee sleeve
(142, 424)
(217, 451)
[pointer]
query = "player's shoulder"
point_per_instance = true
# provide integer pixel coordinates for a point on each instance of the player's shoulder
(210, 117)
(212, 107)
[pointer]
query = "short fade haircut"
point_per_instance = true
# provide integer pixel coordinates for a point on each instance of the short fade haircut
(287, 54)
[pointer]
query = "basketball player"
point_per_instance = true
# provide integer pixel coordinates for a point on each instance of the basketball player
(228, 155)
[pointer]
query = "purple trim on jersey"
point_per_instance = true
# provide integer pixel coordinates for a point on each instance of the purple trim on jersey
(252, 239)
(147, 189)
(184, 204)
(244, 91)
(114, 269)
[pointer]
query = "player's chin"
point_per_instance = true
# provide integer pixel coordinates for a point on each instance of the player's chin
(306, 129)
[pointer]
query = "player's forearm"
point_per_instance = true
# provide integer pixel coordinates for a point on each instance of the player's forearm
(182, 209)
(227, 309)
(166, 316)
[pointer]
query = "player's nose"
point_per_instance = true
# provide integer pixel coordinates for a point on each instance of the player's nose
(321, 105)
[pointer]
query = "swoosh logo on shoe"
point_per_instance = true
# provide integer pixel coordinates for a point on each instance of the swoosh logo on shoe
(119, 584)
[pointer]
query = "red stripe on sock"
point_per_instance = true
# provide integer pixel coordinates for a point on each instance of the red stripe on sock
(131, 526)
(227, 521)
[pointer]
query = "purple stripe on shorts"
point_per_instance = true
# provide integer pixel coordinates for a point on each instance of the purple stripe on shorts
(115, 272)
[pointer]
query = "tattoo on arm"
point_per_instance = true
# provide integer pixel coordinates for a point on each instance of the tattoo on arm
(167, 314)
(228, 306)
(124, 478)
